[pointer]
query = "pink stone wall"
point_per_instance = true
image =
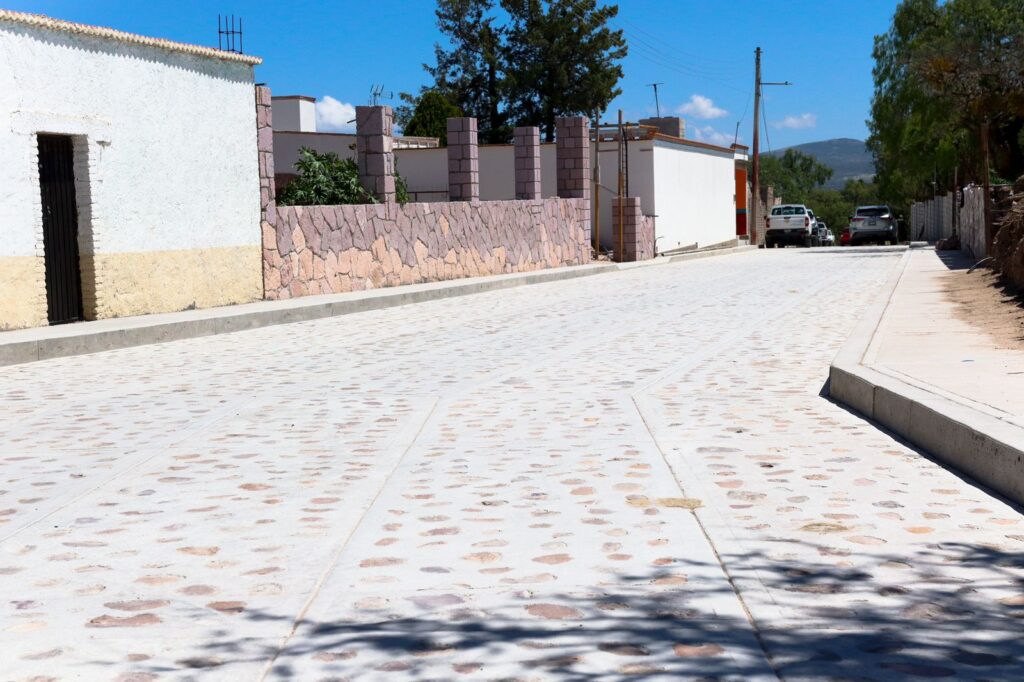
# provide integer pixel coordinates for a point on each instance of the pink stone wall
(637, 235)
(333, 249)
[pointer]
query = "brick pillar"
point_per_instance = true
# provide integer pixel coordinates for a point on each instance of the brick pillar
(637, 237)
(572, 136)
(265, 151)
(527, 145)
(463, 160)
(375, 152)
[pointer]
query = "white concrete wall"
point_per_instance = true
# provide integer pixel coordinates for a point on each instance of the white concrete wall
(694, 195)
(294, 114)
(173, 136)
(641, 183)
(287, 146)
(425, 172)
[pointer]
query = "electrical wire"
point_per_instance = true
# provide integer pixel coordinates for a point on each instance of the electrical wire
(729, 68)
(764, 118)
(688, 74)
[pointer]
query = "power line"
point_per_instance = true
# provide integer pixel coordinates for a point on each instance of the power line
(690, 64)
(673, 67)
(732, 68)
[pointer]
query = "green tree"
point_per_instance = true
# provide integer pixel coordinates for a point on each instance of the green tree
(794, 175)
(471, 73)
(944, 73)
(430, 117)
(563, 59)
(525, 63)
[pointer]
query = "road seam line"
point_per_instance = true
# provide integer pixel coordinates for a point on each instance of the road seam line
(336, 556)
(711, 544)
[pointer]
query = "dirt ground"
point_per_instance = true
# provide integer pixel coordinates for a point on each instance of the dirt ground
(983, 301)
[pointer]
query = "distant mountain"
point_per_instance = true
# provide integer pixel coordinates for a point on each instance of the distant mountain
(848, 159)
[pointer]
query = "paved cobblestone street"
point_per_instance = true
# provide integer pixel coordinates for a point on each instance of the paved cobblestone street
(626, 476)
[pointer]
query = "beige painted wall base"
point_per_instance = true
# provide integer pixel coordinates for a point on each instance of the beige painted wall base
(168, 281)
(143, 283)
(22, 292)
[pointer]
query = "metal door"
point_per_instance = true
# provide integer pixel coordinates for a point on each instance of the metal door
(60, 229)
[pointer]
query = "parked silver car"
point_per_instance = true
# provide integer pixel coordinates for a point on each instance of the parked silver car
(873, 224)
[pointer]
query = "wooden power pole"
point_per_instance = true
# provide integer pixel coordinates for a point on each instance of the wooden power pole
(755, 181)
(755, 187)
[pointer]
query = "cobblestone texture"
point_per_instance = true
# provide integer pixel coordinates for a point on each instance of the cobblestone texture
(535, 483)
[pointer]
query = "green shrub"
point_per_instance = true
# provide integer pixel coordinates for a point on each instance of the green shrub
(326, 180)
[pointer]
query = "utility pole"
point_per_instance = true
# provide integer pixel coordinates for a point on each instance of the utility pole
(755, 181)
(987, 188)
(657, 104)
(755, 188)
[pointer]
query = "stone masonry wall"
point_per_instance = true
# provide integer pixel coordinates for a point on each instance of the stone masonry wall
(333, 249)
(637, 231)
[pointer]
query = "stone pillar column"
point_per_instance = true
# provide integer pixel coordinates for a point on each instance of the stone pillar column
(572, 137)
(637, 236)
(375, 152)
(265, 152)
(463, 160)
(527, 146)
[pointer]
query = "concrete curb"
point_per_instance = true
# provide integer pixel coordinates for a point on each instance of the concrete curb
(43, 343)
(987, 449)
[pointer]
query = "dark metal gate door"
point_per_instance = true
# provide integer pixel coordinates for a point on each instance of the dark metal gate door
(60, 229)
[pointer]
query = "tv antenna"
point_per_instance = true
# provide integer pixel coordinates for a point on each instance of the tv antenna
(376, 92)
(228, 38)
(657, 104)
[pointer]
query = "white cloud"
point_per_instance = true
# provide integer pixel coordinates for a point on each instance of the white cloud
(702, 108)
(797, 122)
(333, 116)
(710, 135)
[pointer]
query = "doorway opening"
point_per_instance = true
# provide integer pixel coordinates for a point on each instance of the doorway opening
(60, 229)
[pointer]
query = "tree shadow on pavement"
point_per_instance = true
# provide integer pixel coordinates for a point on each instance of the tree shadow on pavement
(956, 612)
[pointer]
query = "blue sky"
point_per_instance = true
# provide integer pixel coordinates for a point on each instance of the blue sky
(702, 51)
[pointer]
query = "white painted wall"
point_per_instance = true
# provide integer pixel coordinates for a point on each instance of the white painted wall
(425, 172)
(171, 139)
(641, 183)
(288, 144)
(294, 114)
(694, 195)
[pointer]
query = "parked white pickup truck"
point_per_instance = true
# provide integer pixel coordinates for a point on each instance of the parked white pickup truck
(790, 224)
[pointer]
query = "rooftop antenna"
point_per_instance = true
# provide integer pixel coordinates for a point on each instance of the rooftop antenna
(229, 38)
(657, 104)
(376, 92)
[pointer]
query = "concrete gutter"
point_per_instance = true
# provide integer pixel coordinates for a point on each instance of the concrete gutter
(984, 447)
(42, 343)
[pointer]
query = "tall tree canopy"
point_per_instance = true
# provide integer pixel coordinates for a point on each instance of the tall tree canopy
(944, 73)
(794, 175)
(526, 62)
(430, 116)
(563, 59)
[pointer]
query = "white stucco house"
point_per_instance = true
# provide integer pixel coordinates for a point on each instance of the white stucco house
(129, 171)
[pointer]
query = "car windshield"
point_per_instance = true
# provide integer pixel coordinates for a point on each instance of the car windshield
(872, 212)
(788, 210)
